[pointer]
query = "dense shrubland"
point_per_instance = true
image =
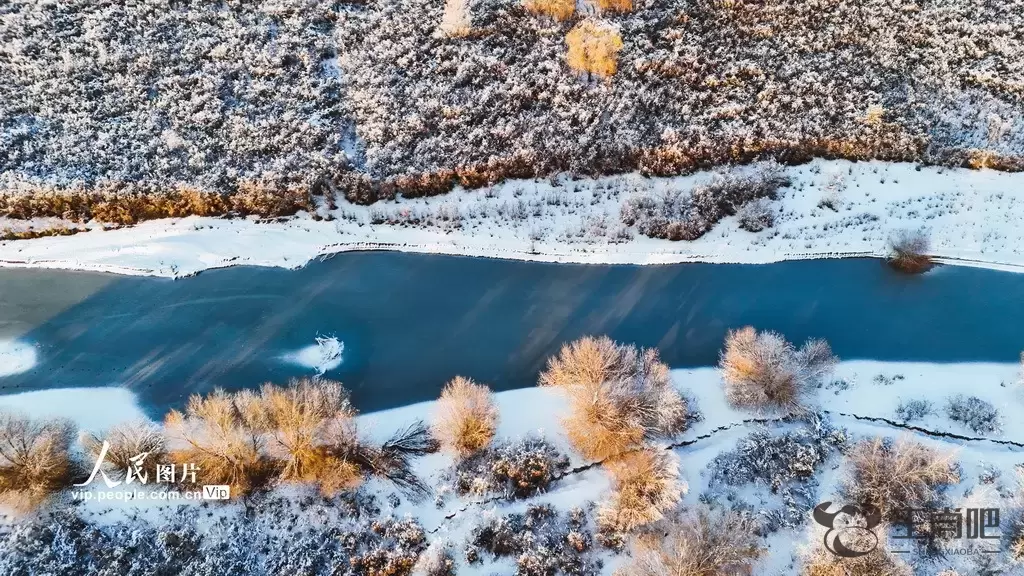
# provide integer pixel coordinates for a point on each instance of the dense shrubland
(125, 112)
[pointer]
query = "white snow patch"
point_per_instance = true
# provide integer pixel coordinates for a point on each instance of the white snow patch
(92, 409)
(16, 357)
(324, 356)
(972, 217)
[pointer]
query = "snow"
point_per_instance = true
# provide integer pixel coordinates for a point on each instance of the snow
(322, 357)
(16, 357)
(92, 409)
(972, 217)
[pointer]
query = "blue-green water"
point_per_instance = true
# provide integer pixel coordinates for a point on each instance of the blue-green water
(410, 322)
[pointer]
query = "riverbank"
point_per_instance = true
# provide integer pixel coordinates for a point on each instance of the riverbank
(832, 209)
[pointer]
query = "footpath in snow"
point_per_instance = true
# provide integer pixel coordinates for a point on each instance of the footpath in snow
(832, 209)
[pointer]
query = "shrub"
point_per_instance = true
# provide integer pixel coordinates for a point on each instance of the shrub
(436, 560)
(126, 441)
(222, 434)
(701, 542)
(908, 251)
(764, 372)
(35, 459)
(677, 216)
(784, 463)
(593, 48)
(895, 476)
(646, 486)
(879, 562)
(615, 5)
(518, 469)
(911, 410)
(310, 430)
(543, 541)
(973, 412)
(465, 417)
(619, 397)
(757, 216)
(558, 9)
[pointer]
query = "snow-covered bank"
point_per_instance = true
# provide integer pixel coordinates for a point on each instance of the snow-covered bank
(833, 209)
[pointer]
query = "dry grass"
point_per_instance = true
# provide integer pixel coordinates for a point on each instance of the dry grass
(908, 251)
(700, 543)
(619, 397)
(646, 487)
(619, 6)
(560, 10)
(310, 429)
(897, 475)
(125, 442)
(222, 434)
(764, 372)
(465, 417)
(35, 461)
(593, 48)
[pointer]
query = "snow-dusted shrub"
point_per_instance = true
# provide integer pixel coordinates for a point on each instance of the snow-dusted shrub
(973, 412)
(764, 372)
(456, 21)
(593, 48)
(897, 475)
(517, 469)
(619, 397)
(557, 9)
(818, 561)
(911, 410)
(35, 459)
(674, 215)
(784, 463)
(757, 216)
(465, 417)
(126, 441)
(543, 541)
(646, 486)
(700, 542)
(908, 251)
(436, 560)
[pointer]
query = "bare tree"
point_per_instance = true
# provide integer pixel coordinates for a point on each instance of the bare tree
(125, 442)
(701, 542)
(908, 251)
(619, 397)
(465, 418)
(764, 372)
(646, 487)
(898, 475)
(35, 458)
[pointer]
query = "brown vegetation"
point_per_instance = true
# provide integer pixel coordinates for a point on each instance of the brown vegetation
(34, 459)
(126, 441)
(221, 433)
(898, 475)
(701, 542)
(593, 47)
(646, 487)
(465, 417)
(764, 372)
(615, 5)
(558, 9)
(908, 251)
(619, 397)
(310, 430)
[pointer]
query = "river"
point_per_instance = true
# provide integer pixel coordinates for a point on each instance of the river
(409, 322)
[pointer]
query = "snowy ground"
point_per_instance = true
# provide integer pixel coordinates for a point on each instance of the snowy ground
(972, 218)
(860, 397)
